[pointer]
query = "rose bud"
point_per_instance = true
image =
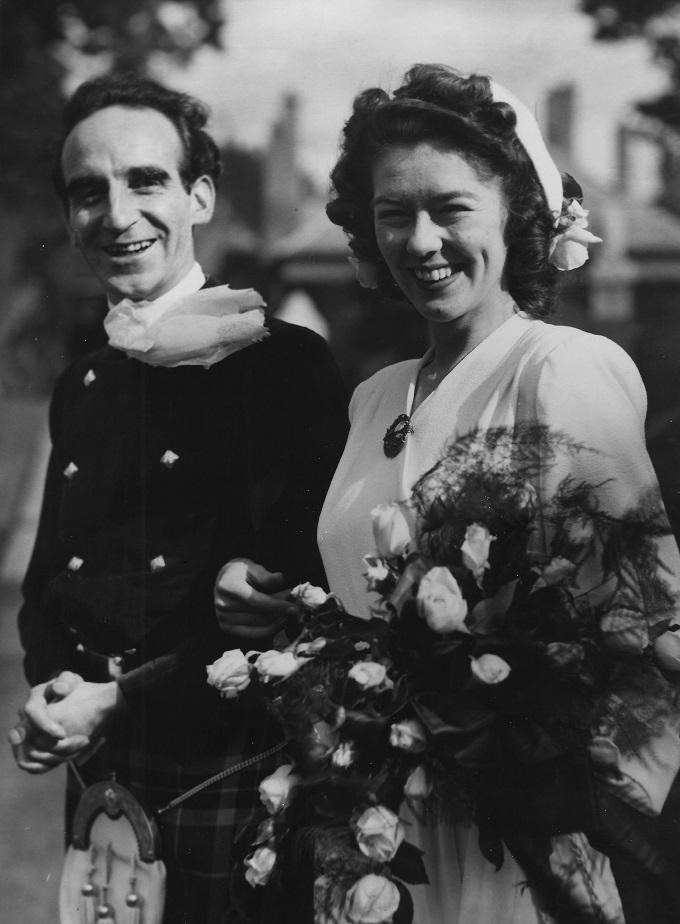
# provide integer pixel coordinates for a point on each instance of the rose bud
(418, 784)
(259, 866)
(441, 603)
(379, 833)
(277, 665)
(489, 668)
(408, 735)
(391, 529)
(667, 651)
(275, 789)
(371, 900)
(376, 571)
(344, 755)
(475, 550)
(368, 674)
(230, 674)
(309, 595)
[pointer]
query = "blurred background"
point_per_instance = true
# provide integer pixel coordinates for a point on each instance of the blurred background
(279, 75)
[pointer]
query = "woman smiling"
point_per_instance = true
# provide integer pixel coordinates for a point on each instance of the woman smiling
(451, 201)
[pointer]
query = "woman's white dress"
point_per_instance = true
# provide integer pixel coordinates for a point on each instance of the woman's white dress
(526, 371)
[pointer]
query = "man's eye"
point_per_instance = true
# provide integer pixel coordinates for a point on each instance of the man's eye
(85, 197)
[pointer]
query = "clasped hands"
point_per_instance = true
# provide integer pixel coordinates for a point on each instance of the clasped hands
(60, 720)
(65, 716)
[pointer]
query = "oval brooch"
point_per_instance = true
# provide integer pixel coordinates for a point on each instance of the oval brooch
(396, 435)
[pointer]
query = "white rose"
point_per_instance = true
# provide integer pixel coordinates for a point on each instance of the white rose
(230, 674)
(440, 601)
(408, 735)
(418, 784)
(526, 500)
(366, 272)
(579, 528)
(489, 668)
(570, 248)
(379, 833)
(309, 649)
(367, 674)
(667, 651)
(259, 866)
(344, 755)
(277, 665)
(275, 789)
(371, 900)
(309, 595)
(376, 571)
(557, 570)
(475, 550)
(391, 529)
(624, 631)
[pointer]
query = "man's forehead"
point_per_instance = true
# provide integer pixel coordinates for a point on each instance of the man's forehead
(121, 138)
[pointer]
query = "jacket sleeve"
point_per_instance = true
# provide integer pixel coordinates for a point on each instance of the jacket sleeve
(49, 647)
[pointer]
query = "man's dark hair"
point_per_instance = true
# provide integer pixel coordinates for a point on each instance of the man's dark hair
(189, 116)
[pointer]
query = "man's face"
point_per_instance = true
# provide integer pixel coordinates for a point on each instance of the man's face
(128, 210)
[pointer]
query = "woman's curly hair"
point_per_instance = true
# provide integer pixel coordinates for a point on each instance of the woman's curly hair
(437, 104)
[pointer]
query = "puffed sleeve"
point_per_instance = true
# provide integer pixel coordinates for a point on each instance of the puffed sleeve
(589, 389)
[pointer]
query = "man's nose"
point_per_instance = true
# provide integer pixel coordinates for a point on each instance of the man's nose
(424, 236)
(121, 209)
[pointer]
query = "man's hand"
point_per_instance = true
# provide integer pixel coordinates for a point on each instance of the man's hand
(251, 602)
(59, 721)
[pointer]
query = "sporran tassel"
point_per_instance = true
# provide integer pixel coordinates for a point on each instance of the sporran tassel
(88, 894)
(105, 914)
(132, 899)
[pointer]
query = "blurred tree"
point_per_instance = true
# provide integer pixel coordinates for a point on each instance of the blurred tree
(46, 48)
(41, 41)
(659, 22)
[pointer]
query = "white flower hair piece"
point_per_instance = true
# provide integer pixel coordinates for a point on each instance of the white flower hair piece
(366, 272)
(569, 248)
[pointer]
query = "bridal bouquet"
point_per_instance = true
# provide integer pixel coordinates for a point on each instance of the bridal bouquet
(511, 641)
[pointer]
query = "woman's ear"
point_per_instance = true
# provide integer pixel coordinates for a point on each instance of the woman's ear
(202, 192)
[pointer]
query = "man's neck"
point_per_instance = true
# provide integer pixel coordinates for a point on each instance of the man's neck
(191, 282)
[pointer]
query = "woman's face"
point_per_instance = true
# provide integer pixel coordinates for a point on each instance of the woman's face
(439, 226)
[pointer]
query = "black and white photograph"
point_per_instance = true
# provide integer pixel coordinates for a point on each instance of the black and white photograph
(339, 461)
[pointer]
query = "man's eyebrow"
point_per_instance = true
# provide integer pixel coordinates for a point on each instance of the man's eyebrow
(87, 181)
(148, 175)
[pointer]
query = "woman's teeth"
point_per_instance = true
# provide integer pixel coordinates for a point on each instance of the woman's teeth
(121, 250)
(433, 275)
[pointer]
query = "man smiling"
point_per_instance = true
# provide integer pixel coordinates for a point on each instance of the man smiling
(195, 437)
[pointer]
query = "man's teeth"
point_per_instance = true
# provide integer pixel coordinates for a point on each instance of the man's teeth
(122, 249)
(433, 275)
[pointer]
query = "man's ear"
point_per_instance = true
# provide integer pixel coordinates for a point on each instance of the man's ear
(202, 194)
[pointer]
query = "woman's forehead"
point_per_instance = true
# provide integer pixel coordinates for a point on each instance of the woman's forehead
(430, 167)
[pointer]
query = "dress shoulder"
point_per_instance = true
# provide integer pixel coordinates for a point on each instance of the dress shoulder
(587, 372)
(385, 381)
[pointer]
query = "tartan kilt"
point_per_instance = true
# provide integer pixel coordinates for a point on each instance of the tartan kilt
(198, 837)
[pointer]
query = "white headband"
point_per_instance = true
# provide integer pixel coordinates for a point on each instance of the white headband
(529, 134)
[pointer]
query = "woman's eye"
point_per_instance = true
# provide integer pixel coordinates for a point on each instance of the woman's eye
(391, 215)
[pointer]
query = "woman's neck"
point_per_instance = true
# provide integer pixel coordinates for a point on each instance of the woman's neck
(453, 341)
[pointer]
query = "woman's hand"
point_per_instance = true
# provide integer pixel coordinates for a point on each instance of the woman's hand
(251, 602)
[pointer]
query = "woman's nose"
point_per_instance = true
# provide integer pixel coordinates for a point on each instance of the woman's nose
(121, 211)
(424, 237)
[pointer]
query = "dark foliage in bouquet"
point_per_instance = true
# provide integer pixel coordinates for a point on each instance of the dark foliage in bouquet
(514, 645)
